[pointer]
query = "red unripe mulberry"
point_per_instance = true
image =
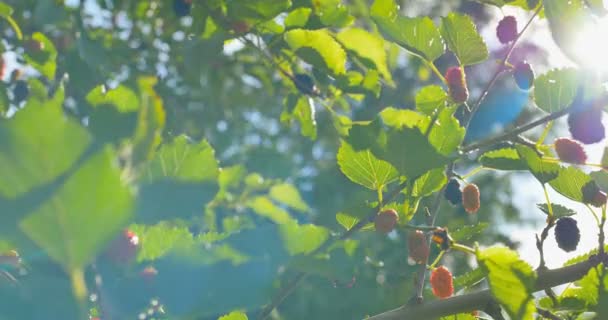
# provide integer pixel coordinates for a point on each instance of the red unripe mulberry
(470, 198)
(418, 247)
(570, 151)
(442, 282)
(457, 84)
(506, 31)
(386, 220)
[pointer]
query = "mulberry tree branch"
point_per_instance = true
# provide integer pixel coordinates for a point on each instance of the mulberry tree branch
(479, 300)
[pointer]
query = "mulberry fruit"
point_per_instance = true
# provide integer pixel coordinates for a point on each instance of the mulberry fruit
(386, 220)
(123, 249)
(593, 195)
(586, 125)
(570, 151)
(457, 84)
(452, 192)
(182, 7)
(567, 234)
(506, 31)
(442, 282)
(20, 91)
(305, 84)
(470, 198)
(418, 247)
(442, 238)
(524, 75)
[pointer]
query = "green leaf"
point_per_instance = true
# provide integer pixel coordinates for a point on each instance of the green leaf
(469, 279)
(447, 133)
(543, 170)
(5, 10)
(256, 9)
(364, 168)
(121, 97)
(234, 315)
(287, 194)
(503, 159)
(45, 60)
(601, 178)
(556, 89)
(83, 214)
(37, 145)
(346, 220)
(266, 208)
(418, 35)
(302, 109)
(302, 239)
(411, 153)
(297, 18)
(318, 48)
(400, 118)
(466, 233)
(430, 98)
(558, 210)
(179, 179)
(183, 160)
(511, 281)
(150, 123)
(230, 177)
(368, 47)
(161, 239)
(460, 34)
(570, 182)
(407, 149)
(332, 13)
(429, 183)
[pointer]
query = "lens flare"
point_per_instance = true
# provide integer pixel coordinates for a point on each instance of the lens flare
(591, 46)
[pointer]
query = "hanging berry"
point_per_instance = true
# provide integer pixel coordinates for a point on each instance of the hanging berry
(442, 282)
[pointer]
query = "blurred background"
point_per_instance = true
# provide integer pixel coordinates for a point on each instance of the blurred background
(217, 88)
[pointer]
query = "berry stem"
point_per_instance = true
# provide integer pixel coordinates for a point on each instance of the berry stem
(463, 248)
(544, 134)
(548, 202)
(597, 219)
(472, 172)
(437, 260)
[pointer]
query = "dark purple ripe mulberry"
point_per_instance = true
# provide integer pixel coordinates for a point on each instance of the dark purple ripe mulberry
(21, 91)
(586, 125)
(567, 234)
(305, 84)
(523, 75)
(506, 31)
(452, 192)
(182, 7)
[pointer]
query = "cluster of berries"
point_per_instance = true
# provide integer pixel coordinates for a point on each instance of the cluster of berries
(468, 196)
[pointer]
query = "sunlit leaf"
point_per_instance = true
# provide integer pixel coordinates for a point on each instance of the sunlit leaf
(556, 89)
(460, 34)
(318, 48)
(511, 281)
(364, 168)
(368, 47)
(418, 35)
(73, 228)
